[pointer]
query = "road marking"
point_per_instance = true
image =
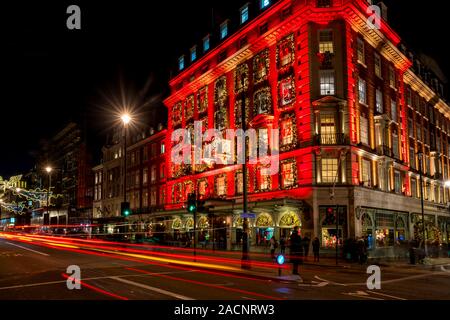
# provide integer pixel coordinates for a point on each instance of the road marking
(388, 281)
(32, 285)
(85, 279)
(329, 282)
(444, 269)
(386, 295)
(361, 294)
(25, 248)
(144, 286)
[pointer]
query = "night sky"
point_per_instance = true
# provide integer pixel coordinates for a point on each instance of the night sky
(52, 75)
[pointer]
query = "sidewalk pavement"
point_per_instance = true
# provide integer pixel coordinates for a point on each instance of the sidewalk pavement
(272, 274)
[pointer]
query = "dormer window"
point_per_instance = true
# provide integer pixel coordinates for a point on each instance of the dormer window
(181, 63)
(264, 4)
(193, 53)
(224, 30)
(206, 43)
(244, 14)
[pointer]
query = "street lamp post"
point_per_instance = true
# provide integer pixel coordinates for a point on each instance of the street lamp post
(49, 172)
(126, 119)
(420, 154)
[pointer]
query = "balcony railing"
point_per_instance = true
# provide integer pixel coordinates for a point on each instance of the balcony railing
(330, 139)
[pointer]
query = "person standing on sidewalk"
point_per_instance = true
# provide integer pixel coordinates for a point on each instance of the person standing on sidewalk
(306, 242)
(316, 248)
(273, 247)
(282, 245)
(296, 250)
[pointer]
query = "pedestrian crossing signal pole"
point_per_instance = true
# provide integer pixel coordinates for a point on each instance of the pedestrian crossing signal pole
(192, 208)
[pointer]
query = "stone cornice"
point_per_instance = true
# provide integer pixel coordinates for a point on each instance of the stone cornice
(426, 92)
(376, 38)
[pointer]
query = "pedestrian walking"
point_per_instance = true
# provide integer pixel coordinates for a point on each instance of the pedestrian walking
(273, 247)
(282, 244)
(362, 251)
(316, 248)
(306, 243)
(296, 250)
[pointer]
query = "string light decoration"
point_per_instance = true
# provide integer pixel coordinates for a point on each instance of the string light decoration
(31, 196)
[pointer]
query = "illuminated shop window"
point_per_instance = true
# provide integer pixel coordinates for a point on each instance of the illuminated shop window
(377, 59)
(288, 174)
(244, 14)
(223, 30)
(286, 91)
(392, 77)
(414, 192)
(264, 4)
(329, 170)
(189, 107)
(394, 110)
(287, 131)
(360, 51)
(362, 91)
(145, 176)
(397, 182)
(202, 187)
(153, 174)
(262, 101)
(395, 146)
(364, 130)
(366, 173)
(412, 157)
(384, 233)
(193, 53)
(221, 185)
(327, 128)
(145, 200)
(379, 101)
(264, 178)
(181, 63)
(285, 51)
(326, 41)
(206, 43)
(176, 118)
(409, 97)
(327, 82)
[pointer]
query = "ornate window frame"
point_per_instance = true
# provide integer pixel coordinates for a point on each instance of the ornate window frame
(261, 60)
(285, 46)
(295, 173)
(202, 100)
(293, 144)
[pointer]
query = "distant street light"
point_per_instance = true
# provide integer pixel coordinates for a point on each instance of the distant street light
(49, 171)
(126, 119)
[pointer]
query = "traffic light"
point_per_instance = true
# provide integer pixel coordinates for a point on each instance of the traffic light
(330, 216)
(192, 203)
(201, 206)
(125, 209)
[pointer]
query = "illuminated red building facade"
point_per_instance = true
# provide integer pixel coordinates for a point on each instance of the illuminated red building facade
(341, 93)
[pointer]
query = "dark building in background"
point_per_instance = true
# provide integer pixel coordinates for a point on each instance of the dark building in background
(71, 178)
(146, 174)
